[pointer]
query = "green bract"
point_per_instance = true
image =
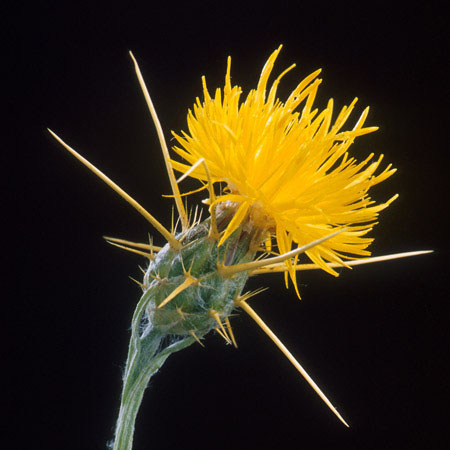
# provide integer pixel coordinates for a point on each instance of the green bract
(160, 328)
(281, 189)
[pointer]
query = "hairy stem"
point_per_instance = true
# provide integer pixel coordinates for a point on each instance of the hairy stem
(143, 361)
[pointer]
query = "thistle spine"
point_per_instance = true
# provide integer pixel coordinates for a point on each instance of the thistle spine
(185, 296)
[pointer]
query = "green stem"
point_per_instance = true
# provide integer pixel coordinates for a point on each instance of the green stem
(143, 361)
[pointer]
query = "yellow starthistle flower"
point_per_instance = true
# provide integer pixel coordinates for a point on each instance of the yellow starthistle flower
(288, 176)
(286, 166)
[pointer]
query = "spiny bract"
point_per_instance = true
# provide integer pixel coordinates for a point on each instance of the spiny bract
(290, 172)
(289, 183)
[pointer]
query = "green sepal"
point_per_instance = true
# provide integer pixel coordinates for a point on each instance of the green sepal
(193, 312)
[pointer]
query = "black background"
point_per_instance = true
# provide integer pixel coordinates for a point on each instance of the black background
(374, 338)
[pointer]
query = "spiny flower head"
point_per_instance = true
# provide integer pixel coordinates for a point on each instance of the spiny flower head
(289, 176)
(286, 166)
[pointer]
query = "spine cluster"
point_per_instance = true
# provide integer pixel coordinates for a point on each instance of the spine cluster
(185, 296)
(185, 293)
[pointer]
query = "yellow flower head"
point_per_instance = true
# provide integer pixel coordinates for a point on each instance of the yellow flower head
(289, 179)
(286, 166)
